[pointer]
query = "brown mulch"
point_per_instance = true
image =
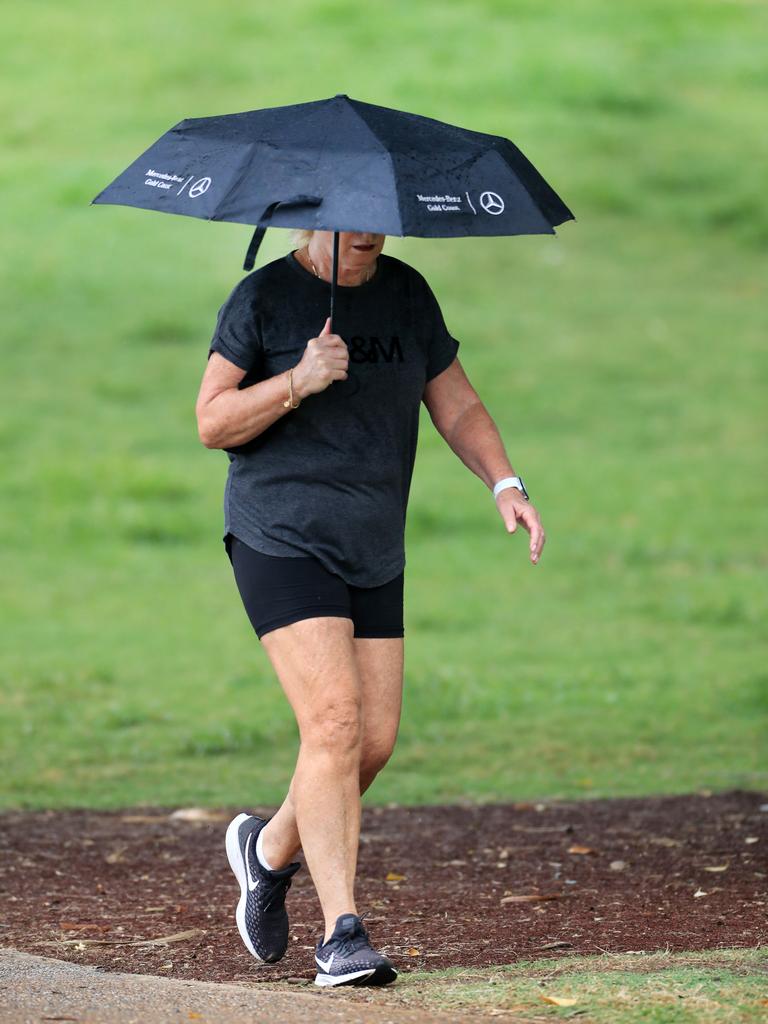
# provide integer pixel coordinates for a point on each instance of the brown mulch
(143, 892)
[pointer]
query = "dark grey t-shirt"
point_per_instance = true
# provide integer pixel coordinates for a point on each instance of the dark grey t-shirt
(331, 478)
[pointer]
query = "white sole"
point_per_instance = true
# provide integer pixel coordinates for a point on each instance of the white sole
(325, 980)
(235, 859)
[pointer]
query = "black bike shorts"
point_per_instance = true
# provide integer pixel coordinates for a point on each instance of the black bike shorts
(277, 591)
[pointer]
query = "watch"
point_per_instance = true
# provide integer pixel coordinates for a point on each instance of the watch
(510, 481)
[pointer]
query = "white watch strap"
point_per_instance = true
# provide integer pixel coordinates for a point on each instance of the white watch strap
(508, 481)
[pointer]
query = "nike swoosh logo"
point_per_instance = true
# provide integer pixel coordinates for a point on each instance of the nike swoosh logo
(327, 965)
(252, 882)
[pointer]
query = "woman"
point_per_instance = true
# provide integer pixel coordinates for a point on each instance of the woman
(320, 429)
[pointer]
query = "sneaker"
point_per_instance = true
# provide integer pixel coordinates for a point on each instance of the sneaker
(261, 916)
(348, 958)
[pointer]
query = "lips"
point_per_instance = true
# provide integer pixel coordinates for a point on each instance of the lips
(363, 248)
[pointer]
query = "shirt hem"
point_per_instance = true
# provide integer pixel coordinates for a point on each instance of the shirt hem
(306, 552)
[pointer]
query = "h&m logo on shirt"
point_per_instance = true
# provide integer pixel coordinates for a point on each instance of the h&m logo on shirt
(373, 350)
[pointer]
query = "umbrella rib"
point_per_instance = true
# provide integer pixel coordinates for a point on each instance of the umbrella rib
(534, 171)
(246, 166)
(388, 155)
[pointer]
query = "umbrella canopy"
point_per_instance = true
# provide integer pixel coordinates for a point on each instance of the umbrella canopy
(339, 164)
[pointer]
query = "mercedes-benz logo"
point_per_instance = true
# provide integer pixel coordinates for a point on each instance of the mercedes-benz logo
(199, 187)
(492, 203)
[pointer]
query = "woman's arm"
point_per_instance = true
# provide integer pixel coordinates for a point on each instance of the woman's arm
(468, 428)
(228, 416)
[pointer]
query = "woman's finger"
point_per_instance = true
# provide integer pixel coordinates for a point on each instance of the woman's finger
(536, 543)
(529, 517)
(532, 523)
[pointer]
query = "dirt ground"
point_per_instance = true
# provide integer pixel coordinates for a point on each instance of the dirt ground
(144, 891)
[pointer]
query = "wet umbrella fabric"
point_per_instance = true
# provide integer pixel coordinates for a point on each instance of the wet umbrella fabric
(340, 164)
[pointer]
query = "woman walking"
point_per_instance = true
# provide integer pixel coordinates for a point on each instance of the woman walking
(321, 435)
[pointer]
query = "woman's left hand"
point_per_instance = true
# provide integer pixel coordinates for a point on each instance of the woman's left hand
(514, 509)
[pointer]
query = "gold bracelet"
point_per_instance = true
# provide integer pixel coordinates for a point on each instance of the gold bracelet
(288, 403)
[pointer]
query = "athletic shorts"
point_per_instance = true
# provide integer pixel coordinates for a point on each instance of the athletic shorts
(277, 591)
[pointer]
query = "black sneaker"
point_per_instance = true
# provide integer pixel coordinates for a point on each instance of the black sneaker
(261, 916)
(348, 958)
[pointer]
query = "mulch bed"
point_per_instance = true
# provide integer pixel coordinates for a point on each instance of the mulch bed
(141, 891)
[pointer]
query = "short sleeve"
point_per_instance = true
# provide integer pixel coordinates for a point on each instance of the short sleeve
(442, 347)
(237, 336)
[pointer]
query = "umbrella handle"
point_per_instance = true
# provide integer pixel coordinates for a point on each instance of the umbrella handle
(335, 273)
(258, 235)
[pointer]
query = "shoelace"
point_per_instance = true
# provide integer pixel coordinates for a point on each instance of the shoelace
(355, 938)
(276, 892)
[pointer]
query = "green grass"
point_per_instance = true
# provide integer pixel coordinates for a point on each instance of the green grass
(624, 362)
(718, 987)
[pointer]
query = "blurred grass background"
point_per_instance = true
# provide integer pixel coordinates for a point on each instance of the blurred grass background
(624, 362)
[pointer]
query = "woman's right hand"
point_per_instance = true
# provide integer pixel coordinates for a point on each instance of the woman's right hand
(325, 360)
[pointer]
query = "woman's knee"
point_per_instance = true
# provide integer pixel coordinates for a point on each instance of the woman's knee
(373, 756)
(334, 727)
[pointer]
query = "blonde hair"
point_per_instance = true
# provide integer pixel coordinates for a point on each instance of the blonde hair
(300, 237)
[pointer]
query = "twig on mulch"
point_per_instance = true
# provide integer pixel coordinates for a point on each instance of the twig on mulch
(165, 940)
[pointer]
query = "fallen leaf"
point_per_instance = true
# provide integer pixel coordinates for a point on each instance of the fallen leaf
(392, 876)
(576, 848)
(665, 841)
(699, 892)
(142, 819)
(412, 951)
(555, 945)
(752, 839)
(116, 856)
(617, 865)
(717, 867)
(559, 1000)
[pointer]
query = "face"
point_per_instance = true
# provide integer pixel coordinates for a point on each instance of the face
(357, 249)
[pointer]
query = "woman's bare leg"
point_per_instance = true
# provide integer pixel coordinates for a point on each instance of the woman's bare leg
(342, 689)
(315, 663)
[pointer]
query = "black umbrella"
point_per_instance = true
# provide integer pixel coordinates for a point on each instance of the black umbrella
(340, 165)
